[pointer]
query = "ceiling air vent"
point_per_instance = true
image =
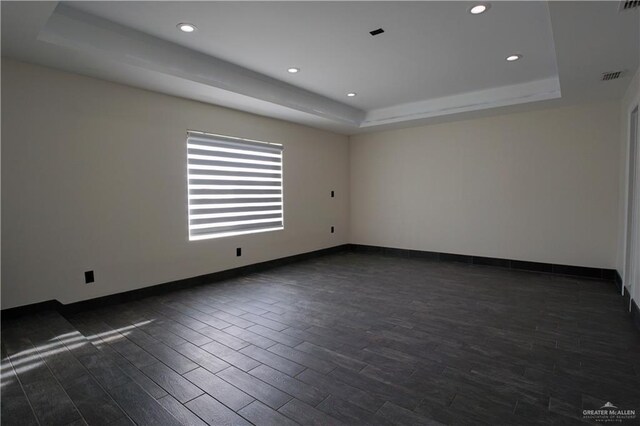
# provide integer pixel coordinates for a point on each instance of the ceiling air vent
(629, 4)
(380, 31)
(606, 76)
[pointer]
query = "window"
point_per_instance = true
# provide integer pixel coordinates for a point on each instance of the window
(235, 186)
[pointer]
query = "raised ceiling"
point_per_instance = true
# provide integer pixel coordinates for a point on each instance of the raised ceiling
(434, 59)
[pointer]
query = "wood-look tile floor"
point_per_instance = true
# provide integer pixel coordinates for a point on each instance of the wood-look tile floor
(354, 339)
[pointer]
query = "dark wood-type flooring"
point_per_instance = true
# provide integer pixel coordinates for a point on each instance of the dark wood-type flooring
(355, 339)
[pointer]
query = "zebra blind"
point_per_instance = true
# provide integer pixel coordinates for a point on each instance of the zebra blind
(235, 186)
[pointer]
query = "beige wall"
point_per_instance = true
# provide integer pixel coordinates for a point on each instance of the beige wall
(94, 177)
(536, 186)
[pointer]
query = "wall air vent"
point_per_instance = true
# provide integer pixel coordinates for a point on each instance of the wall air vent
(606, 76)
(629, 4)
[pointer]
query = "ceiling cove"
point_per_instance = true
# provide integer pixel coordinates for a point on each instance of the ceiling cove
(75, 29)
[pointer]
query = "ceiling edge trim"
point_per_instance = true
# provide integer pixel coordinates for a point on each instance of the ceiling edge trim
(533, 91)
(81, 31)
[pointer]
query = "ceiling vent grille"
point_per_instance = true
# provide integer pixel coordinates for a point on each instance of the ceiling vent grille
(606, 76)
(629, 4)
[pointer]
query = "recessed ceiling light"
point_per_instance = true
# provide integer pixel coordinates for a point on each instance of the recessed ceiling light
(293, 70)
(514, 57)
(351, 94)
(479, 8)
(186, 28)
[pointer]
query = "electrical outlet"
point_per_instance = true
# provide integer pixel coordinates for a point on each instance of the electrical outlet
(239, 251)
(88, 277)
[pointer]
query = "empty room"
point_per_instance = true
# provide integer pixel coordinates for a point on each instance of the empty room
(320, 213)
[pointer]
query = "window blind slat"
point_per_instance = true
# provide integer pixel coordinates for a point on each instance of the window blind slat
(234, 182)
(234, 186)
(222, 201)
(233, 173)
(236, 191)
(230, 163)
(250, 217)
(237, 228)
(243, 209)
(225, 142)
(232, 155)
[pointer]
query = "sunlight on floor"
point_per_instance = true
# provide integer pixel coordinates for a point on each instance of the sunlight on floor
(35, 357)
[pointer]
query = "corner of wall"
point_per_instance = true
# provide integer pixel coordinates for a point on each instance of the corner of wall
(630, 100)
(627, 103)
